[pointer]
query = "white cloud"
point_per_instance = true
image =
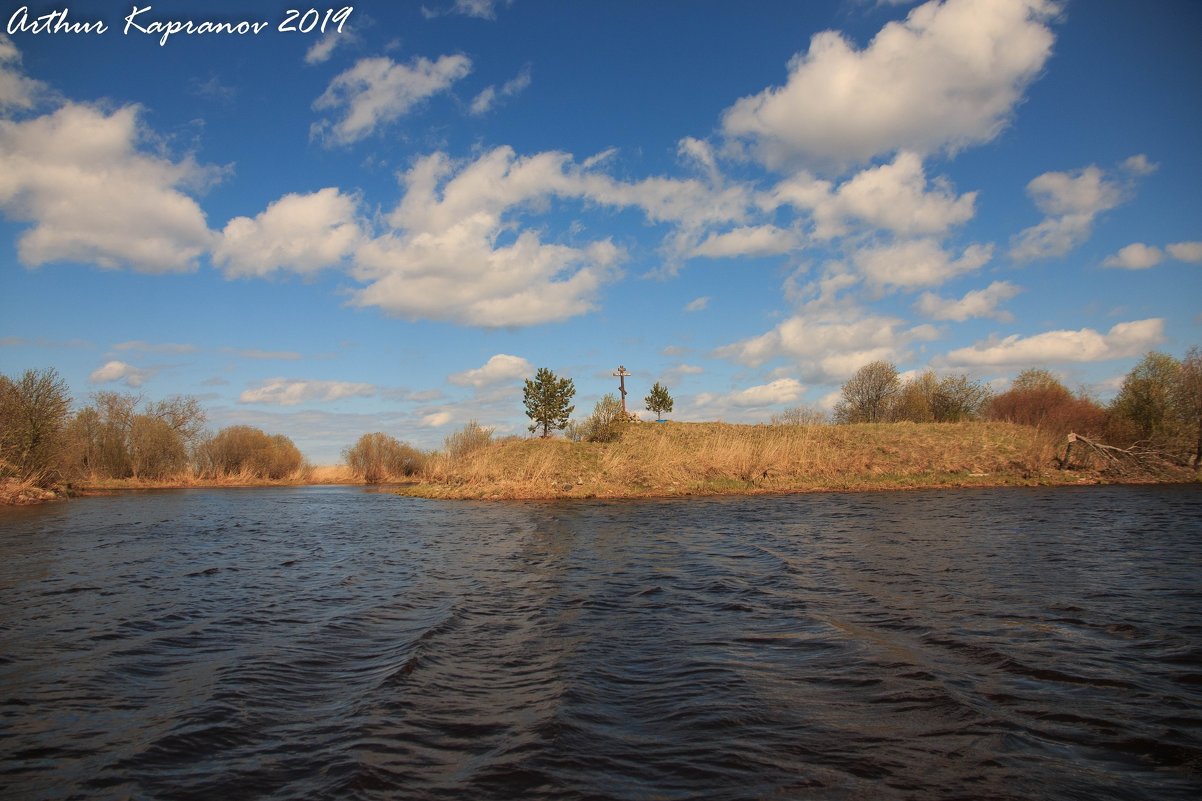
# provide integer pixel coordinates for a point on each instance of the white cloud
(321, 50)
(697, 304)
(917, 263)
(16, 90)
(377, 91)
(700, 153)
(759, 240)
(1056, 347)
(1070, 202)
(783, 390)
(948, 76)
(896, 197)
(501, 368)
(1139, 165)
(480, 9)
(443, 258)
(436, 419)
(976, 303)
(1136, 256)
(1086, 191)
(828, 347)
(121, 372)
(1186, 251)
(487, 99)
(303, 233)
(442, 261)
(290, 392)
(79, 178)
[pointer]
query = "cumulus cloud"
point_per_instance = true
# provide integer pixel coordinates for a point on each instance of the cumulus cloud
(759, 240)
(444, 256)
(975, 303)
(303, 233)
(92, 196)
(917, 263)
(499, 369)
(947, 76)
(827, 348)
(896, 197)
(436, 419)
(697, 304)
(377, 91)
(1070, 201)
(17, 92)
(1057, 347)
(1136, 256)
(783, 390)
(488, 98)
(1186, 251)
(118, 372)
(290, 392)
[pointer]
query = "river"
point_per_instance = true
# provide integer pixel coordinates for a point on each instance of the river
(331, 643)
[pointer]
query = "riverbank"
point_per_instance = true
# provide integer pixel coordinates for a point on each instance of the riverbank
(701, 459)
(682, 459)
(26, 493)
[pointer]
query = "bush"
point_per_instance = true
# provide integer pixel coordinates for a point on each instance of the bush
(33, 416)
(378, 457)
(800, 416)
(606, 422)
(250, 452)
(471, 437)
(1038, 399)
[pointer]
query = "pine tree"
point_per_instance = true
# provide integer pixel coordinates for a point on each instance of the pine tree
(658, 401)
(548, 401)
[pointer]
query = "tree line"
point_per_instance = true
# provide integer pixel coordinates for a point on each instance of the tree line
(1158, 406)
(123, 436)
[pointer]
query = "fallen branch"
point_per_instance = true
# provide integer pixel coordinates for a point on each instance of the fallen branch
(1135, 460)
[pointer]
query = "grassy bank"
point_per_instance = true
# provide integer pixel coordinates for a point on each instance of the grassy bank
(718, 458)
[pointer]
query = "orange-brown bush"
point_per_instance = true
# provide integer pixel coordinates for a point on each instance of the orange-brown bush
(1038, 399)
(379, 457)
(249, 452)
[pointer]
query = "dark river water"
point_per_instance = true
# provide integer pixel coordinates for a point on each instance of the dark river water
(329, 643)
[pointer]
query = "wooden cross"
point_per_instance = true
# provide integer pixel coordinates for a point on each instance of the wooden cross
(621, 374)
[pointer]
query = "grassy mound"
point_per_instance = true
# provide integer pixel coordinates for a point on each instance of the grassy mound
(719, 458)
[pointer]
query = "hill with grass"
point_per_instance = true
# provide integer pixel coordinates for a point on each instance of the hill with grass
(653, 460)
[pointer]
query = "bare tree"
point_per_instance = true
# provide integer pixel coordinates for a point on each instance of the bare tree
(33, 415)
(868, 395)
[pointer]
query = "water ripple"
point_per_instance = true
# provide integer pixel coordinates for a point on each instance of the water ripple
(323, 643)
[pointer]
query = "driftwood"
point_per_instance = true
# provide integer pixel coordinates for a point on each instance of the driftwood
(1137, 460)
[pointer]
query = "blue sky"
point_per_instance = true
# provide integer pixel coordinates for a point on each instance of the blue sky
(388, 228)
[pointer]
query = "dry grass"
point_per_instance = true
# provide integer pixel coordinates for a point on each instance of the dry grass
(246, 478)
(15, 492)
(719, 458)
(332, 474)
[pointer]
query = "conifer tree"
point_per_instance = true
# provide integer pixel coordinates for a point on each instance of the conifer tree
(658, 401)
(548, 401)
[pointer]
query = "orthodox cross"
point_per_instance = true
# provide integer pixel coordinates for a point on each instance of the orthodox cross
(621, 374)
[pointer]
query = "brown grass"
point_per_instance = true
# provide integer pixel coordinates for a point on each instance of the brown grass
(15, 492)
(719, 458)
